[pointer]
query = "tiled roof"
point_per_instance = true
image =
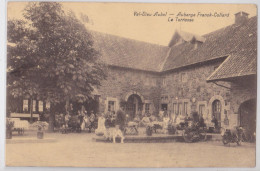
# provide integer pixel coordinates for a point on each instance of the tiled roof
(239, 42)
(128, 53)
(243, 61)
(239, 64)
(233, 39)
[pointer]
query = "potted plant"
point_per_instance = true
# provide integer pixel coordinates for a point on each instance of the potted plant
(9, 127)
(149, 130)
(171, 129)
(41, 125)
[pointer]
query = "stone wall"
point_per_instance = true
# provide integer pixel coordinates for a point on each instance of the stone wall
(189, 86)
(240, 94)
(121, 83)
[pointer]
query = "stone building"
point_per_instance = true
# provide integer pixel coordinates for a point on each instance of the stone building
(239, 70)
(213, 74)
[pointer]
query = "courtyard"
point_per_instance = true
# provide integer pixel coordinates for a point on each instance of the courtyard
(80, 150)
(72, 78)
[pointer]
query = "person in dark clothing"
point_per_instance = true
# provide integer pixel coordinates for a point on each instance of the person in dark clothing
(201, 121)
(215, 121)
(195, 117)
(120, 119)
(80, 117)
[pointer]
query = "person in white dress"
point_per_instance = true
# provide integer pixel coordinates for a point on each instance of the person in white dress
(166, 120)
(101, 125)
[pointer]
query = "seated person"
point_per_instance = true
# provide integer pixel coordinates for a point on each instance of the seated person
(127, 118)
(187, 118)
(153, 118)
(137, 119)
(160, 117)
(113, 115)
(145, 120)
(148, 114)
(215, 122)
(177, 119)
(92, 116)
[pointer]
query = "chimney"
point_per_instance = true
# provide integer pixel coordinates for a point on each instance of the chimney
(241, 17)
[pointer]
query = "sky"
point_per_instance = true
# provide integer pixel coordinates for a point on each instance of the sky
(121, 18)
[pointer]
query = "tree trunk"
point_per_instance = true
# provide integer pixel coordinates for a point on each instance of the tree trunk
(51, 119)
(31, 110)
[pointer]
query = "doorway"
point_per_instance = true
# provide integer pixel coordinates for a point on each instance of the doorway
(216, 111)
(164, 106)
(134, 106)
(247, 116)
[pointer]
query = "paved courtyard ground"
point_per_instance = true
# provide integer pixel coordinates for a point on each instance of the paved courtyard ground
(80, 150)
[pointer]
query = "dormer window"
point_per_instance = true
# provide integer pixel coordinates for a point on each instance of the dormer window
(181, 37)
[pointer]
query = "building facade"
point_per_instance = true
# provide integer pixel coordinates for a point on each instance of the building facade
(213, 74)
(182, 78)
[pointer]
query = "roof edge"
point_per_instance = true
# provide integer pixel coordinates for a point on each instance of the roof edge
(204, 61)
(226, 78)
(165, 59)
(133, 69)
(219, 67)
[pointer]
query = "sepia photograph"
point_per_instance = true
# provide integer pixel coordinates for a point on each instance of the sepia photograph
(136, 85)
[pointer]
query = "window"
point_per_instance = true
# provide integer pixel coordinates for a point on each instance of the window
(111, 106)
(34, 105)
(174, 108)
(185, 108)
(147, 108)
(201, 109)
(40, 106)
(216, 106)
(164, 106)
(25, 105)
(48, 106)
(164, 82)
(184, 77)
(180, 108)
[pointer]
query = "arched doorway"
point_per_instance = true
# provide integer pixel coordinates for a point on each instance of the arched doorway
(134, 105)
(247, 116)
(216, 111)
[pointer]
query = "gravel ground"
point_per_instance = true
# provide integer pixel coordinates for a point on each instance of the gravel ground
(80, 150)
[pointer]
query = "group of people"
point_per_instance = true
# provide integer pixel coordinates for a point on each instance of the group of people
(110, 119)
(163, 120)
(80, 120)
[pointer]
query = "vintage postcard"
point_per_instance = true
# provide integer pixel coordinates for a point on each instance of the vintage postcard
(131, 84)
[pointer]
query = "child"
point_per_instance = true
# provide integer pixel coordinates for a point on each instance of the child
(113, 133)
(118, 133)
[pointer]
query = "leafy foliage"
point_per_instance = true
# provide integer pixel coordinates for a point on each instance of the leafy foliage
(51, 55)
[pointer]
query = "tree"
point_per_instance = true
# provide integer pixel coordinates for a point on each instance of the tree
(51, 55)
